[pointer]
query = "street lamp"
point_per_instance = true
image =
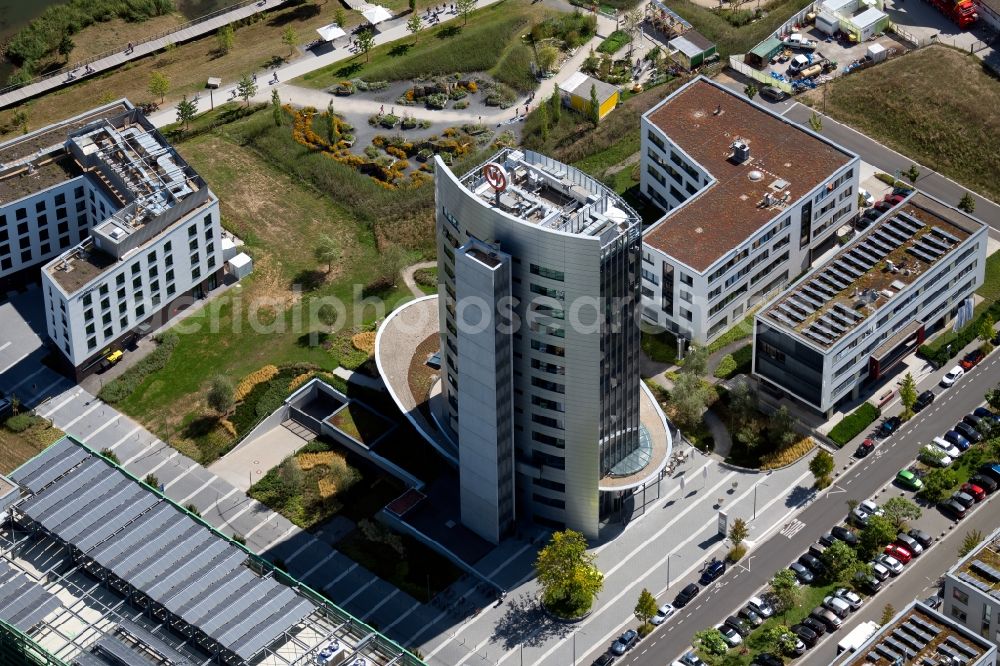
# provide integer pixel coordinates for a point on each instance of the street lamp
(668, 567)
(755, 496)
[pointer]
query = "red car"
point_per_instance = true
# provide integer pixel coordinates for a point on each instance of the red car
(883, 206)
(900, 553)
(972, 359)
(975, 491)
(893, 199)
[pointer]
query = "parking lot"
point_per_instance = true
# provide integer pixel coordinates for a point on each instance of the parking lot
(842, 52)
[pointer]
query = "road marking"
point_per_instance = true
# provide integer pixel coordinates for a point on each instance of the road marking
(86, 413)
(145, 451)
(5, 345)
(301, 549)
(48, 414)
(219, 501)
(382, 603)
(26, 379)
(107, 423)
(413, 607)
(343, 604)
(281, 537)
(207, 483)
(316, 566)
(354, 565)
(792, 528)
(122, 440)
(261, 524)
(173, 454)
(59, 380)
(250, 505)
(17, 360)
(186, 471)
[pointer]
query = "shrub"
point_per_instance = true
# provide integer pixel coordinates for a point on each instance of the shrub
(615, 41)
(854, 423)
(20, 422)
(436, 101)
(388, 121)
(458, 93)
(787, 456)
(736, 553)
(645, 629)
(464, 104)
(937, 351)
(250, 381)
(119, 389)
(726, 367)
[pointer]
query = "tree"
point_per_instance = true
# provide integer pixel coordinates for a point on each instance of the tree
(20, 119)
(390, 262)
(567, 574)
(912, 173)
(220, 394)
(645, 607)
(688, 399)
(840, 561)
(816, 122)
(366, 41)
(781, 428)
(738, 533)
(783, 590)
(465, 7)
(339, 17)
(186, 111)
(633, 21)
(710, 641)
(66, 46)
(246, 88)
(993, 398)
(159, 85)
(326, 252)
(899, 510)
(331, 123)
(152, 481)
(413, 5)
(555, 105)
(543, 121)
(413, 24)
(276, 111)
(750, 90)
(595, 106)
(985, 333)
(878, 533)
(970, 542)
(907, 395)
(110, 455)
(327, 315)
(776, 638)
(225, 37)
(742, 403)
(289, 38)
(967, 203)
(888, 612)
(938, 484)
(821, 466)
(750, 434)
(695, 361)
(546, 58)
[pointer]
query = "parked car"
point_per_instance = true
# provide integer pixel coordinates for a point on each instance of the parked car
(772, 94)
(972, 359)
(946, 446)
(986, 415)
(844, 534)
(624, 642)
(910, 544)
(605, 659)
(968, 432)
(894, 566)
(805, 634)
(827, 617)
(984, 482)
(864, 448)
(924, 399)
(686, 595)
(863, 511)
(768, 659)
(898, 552)
(867, 197)
(889, 426)
(713, 570)
(958, 439)
(761, 607)
(742, 627)
(952, 509)
(813, 562)
(817, 627)
(663, 614)
(894, 198)
(802, 574)
(870, 216)
(827, 539)
(909, 480)
(749, 615)
(952, 376)
(933, 602)
(869, 582)
(730, 635)
(883, 206)
(852, 598)
(691, 659)
(837, 606)
(816, 550)
(921, 537)
(991, 469)
(964, 499)
(932, 455)
(974, 491)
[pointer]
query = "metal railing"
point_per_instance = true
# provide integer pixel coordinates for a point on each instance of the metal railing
(107, 54)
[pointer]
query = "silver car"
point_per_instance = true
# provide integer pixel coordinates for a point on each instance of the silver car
(663, 614)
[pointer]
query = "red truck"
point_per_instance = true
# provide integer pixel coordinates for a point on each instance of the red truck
(962, 12)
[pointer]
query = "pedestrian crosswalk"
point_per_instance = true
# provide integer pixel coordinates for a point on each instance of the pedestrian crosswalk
(792, 528)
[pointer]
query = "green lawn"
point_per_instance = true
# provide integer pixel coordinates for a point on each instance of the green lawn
(942, 113)
(491, 42)
(730, 38)
(660, 347)
(614, 42)
(990, 289)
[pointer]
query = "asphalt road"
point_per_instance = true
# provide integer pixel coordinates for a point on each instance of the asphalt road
(864, 479)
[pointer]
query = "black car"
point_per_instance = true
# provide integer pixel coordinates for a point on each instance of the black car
(741, 626)
(713, 570)
(843, 534)
(805, 634)
(802, 573)
(984, 482)
(924, 399)
(921, 537)
(991, 469)
(814, 625)
(864, 448)
(772, 94)
(605, 660)
(889, 426)
(974, 421)
(768, 659)
(813, 562)
(986, 415)
(968, 432)
(686, 595)
(827, 539)
(869, 582)
(952, 509)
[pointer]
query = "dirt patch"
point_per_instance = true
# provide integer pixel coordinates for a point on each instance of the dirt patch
(421, 376)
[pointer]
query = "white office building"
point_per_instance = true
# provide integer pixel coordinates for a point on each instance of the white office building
(540, 345)
(148, 239)
(850, 321)
(972, 590)
(750, 200)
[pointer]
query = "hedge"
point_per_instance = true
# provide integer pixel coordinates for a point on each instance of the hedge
(121, 388)
(937, 352)
(854, 423)
(20, 422)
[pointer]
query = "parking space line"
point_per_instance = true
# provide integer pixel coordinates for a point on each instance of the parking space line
(18, 360)
(207, 483)
(316, 566)
(298, 551)
(5, 345)
(122, 440)
(260, 525)
(91, 436)
(86, 413)
(358, 591)
(48, 414)
(151, 445)
(59, 380)
(26, 379)
(400, 618)
(381, 603)
(173, 454)
(219, 501)
(181, 476)
(281, 537)
(250, 505)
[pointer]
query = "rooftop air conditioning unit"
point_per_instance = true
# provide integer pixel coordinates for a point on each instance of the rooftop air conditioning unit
(741, 152)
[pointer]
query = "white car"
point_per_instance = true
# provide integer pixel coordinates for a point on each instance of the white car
(852, 598)
(663, 614)
(949, 449)
(927, 457)
(761, 607)
(953, 376)
(894, 566)
(867, 196)
(865, 510)
(730, 635)
(879, 570)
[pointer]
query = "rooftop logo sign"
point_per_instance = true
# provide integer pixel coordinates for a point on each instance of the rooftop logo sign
(496, 176)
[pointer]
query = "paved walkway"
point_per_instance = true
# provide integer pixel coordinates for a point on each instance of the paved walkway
(410, 283)
(82, 70)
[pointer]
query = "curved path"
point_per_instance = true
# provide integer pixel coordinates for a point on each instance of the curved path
(408, 280)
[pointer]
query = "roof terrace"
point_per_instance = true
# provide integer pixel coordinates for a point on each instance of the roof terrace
(981, 568)
(868, 273)
(556, 196)
(919, 636)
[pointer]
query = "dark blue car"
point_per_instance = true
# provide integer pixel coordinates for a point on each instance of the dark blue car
(956, 438)
(714, 569)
